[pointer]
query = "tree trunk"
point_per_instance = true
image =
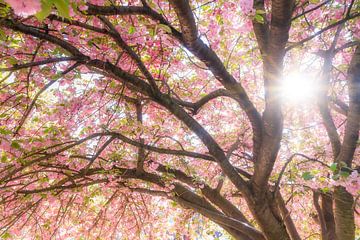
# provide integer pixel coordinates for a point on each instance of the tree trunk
(328, 213)
(344, 214)
(344, 201)
(272, 227)
(268, 218)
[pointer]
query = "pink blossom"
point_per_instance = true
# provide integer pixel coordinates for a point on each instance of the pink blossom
(83, 7)
(352, 183)
(246, 6)
(154, 165)
(97, 2)
(25, 8)
(3, 165)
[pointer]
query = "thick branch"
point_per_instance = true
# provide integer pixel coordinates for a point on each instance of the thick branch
(353, 121)
(286, 216)
(273, 66)
(214, 196)
(261, 29)
(223, 220)
(320, 214)
(324, 108)
(186, 19)
(17, 26)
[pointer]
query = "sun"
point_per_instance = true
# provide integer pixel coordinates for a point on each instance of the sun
(299, 87)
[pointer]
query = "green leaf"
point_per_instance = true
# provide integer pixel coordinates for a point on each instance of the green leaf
(333, 167)
(4, 131)
(335, 177)
(12, 60)
(43, 195)
(344, 174)
(219, 20)
(44, 180)
(2, 35)
(259, 18)
(4, 158)
(307, 176)
(206, 7)
(259, 11)
(36, 119)
(165, 28)
(152, 32)
(4, 10)
(63, 7)
(46, 7)
(6, 235)
(322, 179)
(132, 29)
(15, 144)
(325, 190)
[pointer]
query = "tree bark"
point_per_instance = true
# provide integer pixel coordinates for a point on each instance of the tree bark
(344, 214)
(328, 213)
(344, 209)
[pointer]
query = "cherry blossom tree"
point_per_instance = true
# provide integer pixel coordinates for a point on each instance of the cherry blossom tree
(156, 119)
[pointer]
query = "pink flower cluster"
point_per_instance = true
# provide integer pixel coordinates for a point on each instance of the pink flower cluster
(246, 6)
(351, 183)
(25, 7)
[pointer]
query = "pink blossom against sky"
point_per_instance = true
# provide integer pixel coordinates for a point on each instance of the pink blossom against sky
(25, 7)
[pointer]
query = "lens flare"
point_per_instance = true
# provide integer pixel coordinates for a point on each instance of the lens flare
(299, 87)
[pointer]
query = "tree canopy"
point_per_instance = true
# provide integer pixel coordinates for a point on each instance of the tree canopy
(179, 119)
